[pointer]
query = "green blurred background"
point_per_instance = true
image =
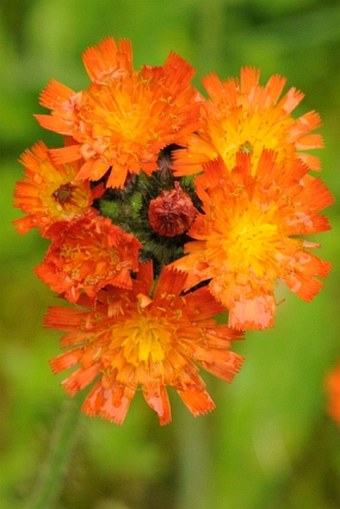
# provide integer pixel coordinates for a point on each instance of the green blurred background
(269, 444)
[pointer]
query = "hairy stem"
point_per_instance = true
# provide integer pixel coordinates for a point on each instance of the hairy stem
(52, 474)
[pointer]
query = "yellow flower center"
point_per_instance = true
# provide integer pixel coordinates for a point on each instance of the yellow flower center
(147, 340)
(252, 243)
(251, 133)
(66, 199)
(124, 114)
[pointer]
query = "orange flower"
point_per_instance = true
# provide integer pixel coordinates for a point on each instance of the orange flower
(247, 235)
(245, 116)
(86, 254)
(123, 120)
(127, 339)
(49, 193)
(333, 392)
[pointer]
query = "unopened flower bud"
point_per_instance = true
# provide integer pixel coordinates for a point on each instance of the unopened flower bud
(172, 212)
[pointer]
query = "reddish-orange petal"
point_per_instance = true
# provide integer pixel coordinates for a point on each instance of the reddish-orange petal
(93, 170)
(65, 360)
(302, 278)
(170, 281)
(197, 400)
(80, 379)
(157, 398)
(108, 61)
(55, 94)
(55, 124)
(24, 224)
(111, 403)
(221, 363)
(65, 154)
(291, 100)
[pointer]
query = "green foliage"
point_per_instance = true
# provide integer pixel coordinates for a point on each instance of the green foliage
(269, 443)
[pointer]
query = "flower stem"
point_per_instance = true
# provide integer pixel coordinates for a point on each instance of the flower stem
(51, 476)
(194, 461)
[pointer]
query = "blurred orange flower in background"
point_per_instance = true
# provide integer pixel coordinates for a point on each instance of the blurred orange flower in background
(333, 393)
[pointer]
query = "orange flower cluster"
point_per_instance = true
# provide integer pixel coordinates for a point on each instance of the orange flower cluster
(165, 208)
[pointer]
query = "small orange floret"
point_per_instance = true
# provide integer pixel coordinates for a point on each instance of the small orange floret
(49, 193)
(87, 254)
(151, 341)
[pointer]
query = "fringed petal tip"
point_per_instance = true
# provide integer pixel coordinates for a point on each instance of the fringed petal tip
(222, 364)
(157, 399)
(66, 154)
(64, 361)
(55, 94)
(197, 400)
(252, 314)
(107, 60)
(111, 404)
(80, 379)
(23, 224)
